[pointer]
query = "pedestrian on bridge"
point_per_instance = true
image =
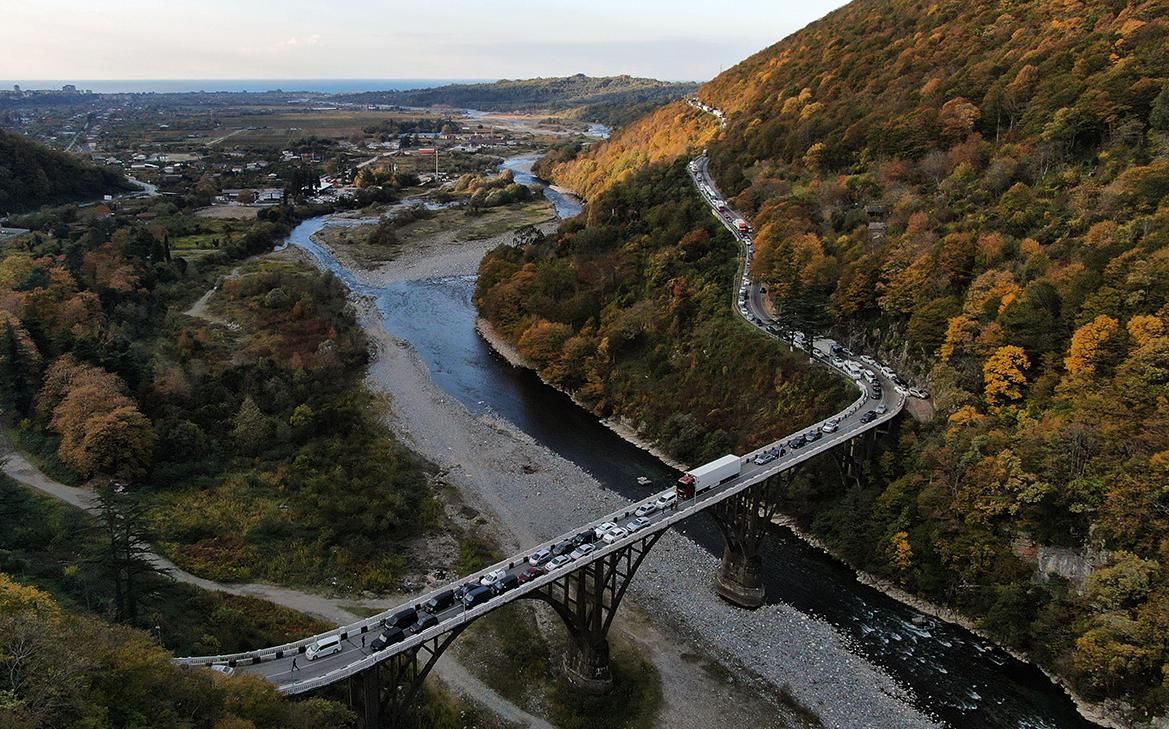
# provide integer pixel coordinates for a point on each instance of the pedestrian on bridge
(363, 641)
(294, 666)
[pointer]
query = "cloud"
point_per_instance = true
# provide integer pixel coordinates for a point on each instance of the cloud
(308, 41)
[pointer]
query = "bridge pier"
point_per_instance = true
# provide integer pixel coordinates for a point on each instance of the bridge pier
(743, 520)
(587, 600)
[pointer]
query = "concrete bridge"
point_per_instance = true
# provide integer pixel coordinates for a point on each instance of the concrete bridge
(587, 592)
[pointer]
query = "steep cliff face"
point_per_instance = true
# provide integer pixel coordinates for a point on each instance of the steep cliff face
(978, 192)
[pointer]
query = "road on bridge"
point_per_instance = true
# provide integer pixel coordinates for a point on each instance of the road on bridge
(865, 413)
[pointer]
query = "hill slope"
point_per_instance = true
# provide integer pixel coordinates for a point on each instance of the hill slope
(611, 100)
(978, 192)
(32, 175)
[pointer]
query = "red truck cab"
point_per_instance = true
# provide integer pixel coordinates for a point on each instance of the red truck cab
(685, 486)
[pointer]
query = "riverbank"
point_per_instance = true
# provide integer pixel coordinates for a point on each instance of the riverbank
(535, 494)
(1106, 716)
(1099, 714)
(627, 432)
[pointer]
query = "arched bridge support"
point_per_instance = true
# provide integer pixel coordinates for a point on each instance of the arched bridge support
(587, 600)
(743, 520)
(384, 694)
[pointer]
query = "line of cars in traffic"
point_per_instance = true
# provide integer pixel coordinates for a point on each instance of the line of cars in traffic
(475, 592)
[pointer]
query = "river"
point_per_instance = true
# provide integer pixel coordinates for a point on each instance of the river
(956, 676)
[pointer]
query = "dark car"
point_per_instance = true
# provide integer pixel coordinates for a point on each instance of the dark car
(837, 350)
(425, 621)
(477, 596)
(797, 442)
(530, 574)
(404, 618)
(588, 536)
(813, 436)
(875, 394)
(563, 547)
(462, 590)
(868, 417)
(440, 602)
(387, 638)
(505, 583)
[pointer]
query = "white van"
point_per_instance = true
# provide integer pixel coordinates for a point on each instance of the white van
(324, 647)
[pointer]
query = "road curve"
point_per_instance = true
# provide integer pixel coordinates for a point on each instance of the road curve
(275, 663)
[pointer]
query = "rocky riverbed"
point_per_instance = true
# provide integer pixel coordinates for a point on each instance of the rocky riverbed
(535, 494)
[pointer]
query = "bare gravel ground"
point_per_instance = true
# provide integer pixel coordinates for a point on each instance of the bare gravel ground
(535, 494)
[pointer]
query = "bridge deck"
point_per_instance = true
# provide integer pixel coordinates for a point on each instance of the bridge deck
(274, 663)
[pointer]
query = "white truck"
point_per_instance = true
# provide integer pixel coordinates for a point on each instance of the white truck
(707, 476)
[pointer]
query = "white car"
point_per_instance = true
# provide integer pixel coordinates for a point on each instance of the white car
(614, 535)
(646, 509)
(540, 557)
(919, 392)
(225, 670)
(581, 551)
(600, 531)
(829, 427)
(558, 562)
(867, 359)
(324, 647)
(881, 409)
(637, 524)
(492, 577)
(666, 500)
(887, 371)
(901, 390)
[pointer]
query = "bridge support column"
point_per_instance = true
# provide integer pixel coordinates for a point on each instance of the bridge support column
(587, 600)
(743, 520)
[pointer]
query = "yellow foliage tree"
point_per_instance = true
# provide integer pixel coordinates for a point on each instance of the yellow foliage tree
(1088, 345)
(1004, 374)
(960, 335)
(1143, 328)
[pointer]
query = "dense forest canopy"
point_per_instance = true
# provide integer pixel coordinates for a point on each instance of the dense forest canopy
(977, 191)
(32, 175)
(612, 100)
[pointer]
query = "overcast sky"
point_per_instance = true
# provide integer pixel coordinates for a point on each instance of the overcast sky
(177, 39)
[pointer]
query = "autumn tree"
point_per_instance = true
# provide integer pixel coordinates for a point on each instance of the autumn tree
(1004, 375)
(20, 364)
(1090, 346)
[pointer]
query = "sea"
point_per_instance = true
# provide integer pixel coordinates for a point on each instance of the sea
(178, 86)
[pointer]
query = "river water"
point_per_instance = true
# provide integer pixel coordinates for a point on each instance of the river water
(956, 676)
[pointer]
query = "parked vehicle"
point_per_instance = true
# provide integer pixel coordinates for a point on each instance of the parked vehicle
(881, 409)
(588, 536)
(667, 500)
(797, 442)
(706, 476)
(600, 531)
(637, 524)
(530, 574)
(829, 427)
(742, 225)
(440, 602)
(540, 557)
(425, 621)
(404, 618)
(505, 583)
(875, 394)
(225, 670)
(920, 393)
(557, 562)
(489, 579)
(582, 551)
(324, 647)
(477, 597)
(387, 638)
(867, 359)
(764, 458)
(615, 534)
(868, 417)
(462, 590)
(563, 547)
(813, 435)
(646, 509)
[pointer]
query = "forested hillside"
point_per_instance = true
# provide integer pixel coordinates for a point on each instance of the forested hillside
(32, 175)
(978, 192)
(612, 100)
